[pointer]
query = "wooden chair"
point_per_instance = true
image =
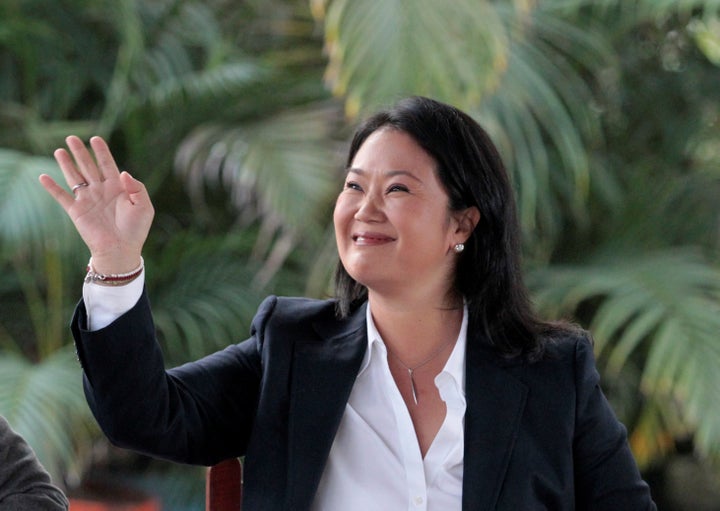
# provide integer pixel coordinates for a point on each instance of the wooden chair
(223, 486)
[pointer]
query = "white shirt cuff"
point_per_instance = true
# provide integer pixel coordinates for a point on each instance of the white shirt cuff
(104, 304)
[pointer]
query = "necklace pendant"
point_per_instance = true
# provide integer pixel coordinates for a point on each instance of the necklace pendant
(412, 386)
(410, 370)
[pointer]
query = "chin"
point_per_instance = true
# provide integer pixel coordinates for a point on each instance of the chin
(363, 276)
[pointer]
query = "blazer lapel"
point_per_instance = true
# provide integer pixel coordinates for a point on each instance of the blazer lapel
(324, 370)
(495, 402)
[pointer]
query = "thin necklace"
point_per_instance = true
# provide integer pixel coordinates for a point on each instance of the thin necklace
(411, 370)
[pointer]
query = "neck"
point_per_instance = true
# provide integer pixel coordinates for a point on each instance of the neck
(414, 331)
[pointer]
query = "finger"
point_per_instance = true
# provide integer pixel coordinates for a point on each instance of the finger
(69, 170)
(135, 189)
(106, 163)
(83, 159)
(58, 193)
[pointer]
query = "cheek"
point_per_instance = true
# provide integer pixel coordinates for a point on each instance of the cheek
(340, 219)
(345, 207)
(338, 213)
(414, 217)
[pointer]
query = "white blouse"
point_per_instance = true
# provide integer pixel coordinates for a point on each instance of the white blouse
(375, 460)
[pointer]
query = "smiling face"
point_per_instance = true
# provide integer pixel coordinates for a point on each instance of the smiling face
(393, 228)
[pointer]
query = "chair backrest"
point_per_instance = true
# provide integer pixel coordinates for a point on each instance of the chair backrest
(223, 486)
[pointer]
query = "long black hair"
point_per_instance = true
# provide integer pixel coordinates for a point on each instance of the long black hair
(488, 272)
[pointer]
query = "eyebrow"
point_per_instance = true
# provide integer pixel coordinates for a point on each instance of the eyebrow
(389, 173)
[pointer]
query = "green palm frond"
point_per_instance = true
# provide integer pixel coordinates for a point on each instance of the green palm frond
(185, 55)
(706, 33)
(45, 404)
(541, 122)
(159, 44)
(32, 221)
(218, 83)
(662, 309)
(701, 17)
(319, 283)
(637, 10)
(454, 51)
(40, 251)
(674, 206)
(43, 89)
(656, 431)
(121, 54)
(282, 169)
(209, 307)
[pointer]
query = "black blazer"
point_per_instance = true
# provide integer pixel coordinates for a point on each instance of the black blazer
(537, 436)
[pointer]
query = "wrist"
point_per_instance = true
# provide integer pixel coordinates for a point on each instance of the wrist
(112, 279)
(114, 263)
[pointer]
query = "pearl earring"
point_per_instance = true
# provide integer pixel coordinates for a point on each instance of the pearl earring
(459, 247)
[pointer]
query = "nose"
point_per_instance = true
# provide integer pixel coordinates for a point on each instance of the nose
(369, 209)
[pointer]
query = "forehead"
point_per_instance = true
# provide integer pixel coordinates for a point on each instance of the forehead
(389, 149)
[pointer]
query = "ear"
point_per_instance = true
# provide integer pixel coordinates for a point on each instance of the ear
(465, 222)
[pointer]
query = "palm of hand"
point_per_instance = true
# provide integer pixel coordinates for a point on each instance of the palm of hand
(112, 214)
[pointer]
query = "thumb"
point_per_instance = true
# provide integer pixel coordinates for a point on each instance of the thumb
(135, 189)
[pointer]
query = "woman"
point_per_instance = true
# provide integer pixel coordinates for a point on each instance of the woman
(24, 483)
(427, 383)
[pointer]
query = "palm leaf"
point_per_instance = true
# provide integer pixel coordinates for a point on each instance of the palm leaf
(656, 431)
(663, 309)
(319, 282)
(638, 10)
(200, 311)
(49, 72)
(221, 82)
(706, 33)
(45, 404)
(186, 58)
(282, 169)
(40, 250)
(32, 221)
(456, 51)
(540, 120)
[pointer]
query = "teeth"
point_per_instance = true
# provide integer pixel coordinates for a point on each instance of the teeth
(362, 239)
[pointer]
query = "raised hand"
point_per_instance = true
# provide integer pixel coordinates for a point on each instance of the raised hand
(110, 209)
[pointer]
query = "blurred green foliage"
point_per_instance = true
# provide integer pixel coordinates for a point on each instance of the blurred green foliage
(235, 115)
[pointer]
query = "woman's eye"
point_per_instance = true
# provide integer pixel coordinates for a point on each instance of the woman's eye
(398, 188)
(351, 185)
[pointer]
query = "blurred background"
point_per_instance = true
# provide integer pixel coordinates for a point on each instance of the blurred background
(236, 115)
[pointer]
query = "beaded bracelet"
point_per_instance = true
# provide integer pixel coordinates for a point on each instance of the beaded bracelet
(114, 279)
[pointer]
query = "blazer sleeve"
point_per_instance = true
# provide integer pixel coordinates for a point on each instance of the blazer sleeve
(606, 475)
(24, 483)
(199, 413)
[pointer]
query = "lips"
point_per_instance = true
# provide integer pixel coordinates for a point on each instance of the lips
(371, 238)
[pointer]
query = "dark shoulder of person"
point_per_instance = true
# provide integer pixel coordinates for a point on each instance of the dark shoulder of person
(554, 338)
(24, 483)
(530, 340)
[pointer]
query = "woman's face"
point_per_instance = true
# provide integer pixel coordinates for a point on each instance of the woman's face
(393, 228)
